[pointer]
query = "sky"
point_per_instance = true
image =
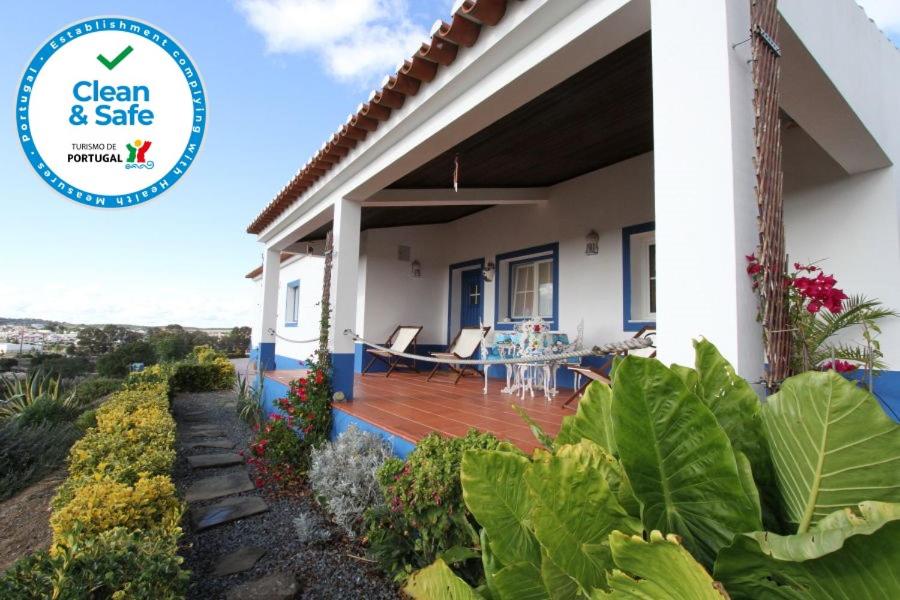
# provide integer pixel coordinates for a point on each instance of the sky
(280, 76)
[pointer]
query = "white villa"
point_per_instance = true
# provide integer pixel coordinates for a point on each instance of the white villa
(588, 162)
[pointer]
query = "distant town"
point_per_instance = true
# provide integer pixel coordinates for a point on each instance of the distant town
(28, 336)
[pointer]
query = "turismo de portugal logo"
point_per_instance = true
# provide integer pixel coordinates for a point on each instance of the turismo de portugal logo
(111, 112)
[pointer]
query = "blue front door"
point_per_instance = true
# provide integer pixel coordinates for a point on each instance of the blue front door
(470, 302)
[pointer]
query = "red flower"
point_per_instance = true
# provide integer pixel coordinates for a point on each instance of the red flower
(841, 366)
(750, 258)
(537, 328)
(754, 268)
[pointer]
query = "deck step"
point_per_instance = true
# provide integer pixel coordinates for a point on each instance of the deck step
(227, 511)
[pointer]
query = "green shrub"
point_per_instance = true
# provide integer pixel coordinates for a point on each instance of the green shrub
(426, 515)
(90, 390)
(19, 393)
(86, 420)
(29, 453)
(45, 410)
(7, 363)
(116, 363)
(116, 518)
(67, 367)
(660, 485)
(115, 564)
(39, 359)
(149, 505)
(193, 377)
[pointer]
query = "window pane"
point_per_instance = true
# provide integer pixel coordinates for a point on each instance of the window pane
(296, 304)
(545, 272)
(545, 289)
(527, 304)
(545, 300)
(524, 278)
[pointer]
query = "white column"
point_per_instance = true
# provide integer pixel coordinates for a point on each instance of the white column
(344, 280)
(269, 312)
(704, 181)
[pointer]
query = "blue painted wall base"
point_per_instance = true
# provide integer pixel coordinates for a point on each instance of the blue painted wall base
(342, 373)
(342, 421)
(266, 356)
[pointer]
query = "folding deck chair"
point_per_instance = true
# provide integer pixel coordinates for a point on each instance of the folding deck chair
(463, 347)
(592, 374)
(403, 337)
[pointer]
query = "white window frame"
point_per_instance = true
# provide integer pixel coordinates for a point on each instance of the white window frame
(641, 276)
(292, 303)
(513, 293)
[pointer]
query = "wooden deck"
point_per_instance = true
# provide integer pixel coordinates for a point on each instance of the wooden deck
(408, 407)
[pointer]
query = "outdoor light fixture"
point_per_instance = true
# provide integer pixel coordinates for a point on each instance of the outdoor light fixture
(487, 273)
(416, 268)
(593, 243)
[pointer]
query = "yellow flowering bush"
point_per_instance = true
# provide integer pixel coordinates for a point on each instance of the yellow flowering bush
(148, 505)
(118, 491)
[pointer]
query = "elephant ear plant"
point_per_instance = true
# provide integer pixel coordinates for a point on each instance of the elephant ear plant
(677, 483)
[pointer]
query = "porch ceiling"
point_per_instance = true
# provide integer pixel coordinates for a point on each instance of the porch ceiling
(599, 116)
(375, 217)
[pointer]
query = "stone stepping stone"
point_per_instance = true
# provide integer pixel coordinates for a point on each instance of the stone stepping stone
(277, 586)
(238, 561)
(221, 459)
(211, 443)
(205, 431)
(216, 487)
(226, 511)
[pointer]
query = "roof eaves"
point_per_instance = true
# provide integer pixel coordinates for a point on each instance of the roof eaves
(468, 17)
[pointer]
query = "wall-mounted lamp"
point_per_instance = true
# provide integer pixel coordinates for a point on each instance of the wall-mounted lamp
(592, 245)
(416, 268)
(487, 273)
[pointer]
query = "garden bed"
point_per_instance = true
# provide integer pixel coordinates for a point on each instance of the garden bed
(330, 568)
(24, 519)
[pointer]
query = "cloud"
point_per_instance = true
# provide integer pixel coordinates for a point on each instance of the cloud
(358, 41)
(135, 304)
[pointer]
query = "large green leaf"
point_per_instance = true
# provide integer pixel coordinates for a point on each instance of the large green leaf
(848, 554)
(438, 582)
(659, 569)
(494, 491)
(832, 445)
(688, 376)
(592, 419)
(736, 406)
(521, 581)
(574, 510)
(560, 585)
(680, 463)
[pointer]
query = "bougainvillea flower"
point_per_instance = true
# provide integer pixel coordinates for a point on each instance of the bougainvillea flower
(841, 366)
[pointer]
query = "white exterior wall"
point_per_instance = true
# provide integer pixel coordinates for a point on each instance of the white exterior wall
(309, 270)
(851, 223)
(15, 347)
(590, 287)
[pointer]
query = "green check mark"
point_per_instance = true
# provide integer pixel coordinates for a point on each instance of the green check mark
(111, 64)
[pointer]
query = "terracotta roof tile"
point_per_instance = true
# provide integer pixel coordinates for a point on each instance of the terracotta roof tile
(440, 51)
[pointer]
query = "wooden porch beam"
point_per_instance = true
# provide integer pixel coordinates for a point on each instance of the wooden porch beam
(466, 196)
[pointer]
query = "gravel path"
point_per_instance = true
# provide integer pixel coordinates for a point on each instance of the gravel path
(324, 569)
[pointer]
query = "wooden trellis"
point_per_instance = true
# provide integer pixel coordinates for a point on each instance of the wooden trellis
(766, 75)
